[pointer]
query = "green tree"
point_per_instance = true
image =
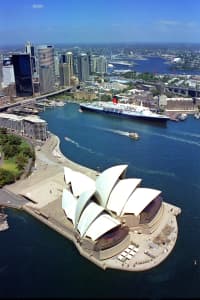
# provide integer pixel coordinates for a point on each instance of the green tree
(27, 151)
(6, 177)
(3, 130)
(10, 150)
(3, 138)
(14, 140)
(21, 160)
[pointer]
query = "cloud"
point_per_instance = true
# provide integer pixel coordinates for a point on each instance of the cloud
(37, 6)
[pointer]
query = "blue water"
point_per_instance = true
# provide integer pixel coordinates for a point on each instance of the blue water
(155, 65)
(37, 262)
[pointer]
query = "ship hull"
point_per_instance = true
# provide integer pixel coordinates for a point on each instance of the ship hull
(123, 114)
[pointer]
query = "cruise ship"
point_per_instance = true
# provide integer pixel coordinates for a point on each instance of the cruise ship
(124, 110)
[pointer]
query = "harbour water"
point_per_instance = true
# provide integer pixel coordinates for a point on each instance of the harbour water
(155, 65)
(37, 262)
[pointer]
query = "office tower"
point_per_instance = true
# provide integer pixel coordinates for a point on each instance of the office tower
(66, 69)
(7, 72)
(94, 59)
(101, 66)
(83, 67)
(23, 74)
(98, 64)
(7, 75)
(63, 58)
(89, 54)
(46, 69)
(69, 61)
(75, 64)
(30, 49)
(56, 62)
(64, 74)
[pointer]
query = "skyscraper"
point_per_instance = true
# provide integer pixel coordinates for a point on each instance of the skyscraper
(66, 69)
(56, 62)
(101, 66)
(46, 69)
(64, 74)
(30, 49)
(83, 67)
(69, 61)
(23, 74)
(98, 64)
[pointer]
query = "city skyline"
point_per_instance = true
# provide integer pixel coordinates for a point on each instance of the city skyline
(99, 21)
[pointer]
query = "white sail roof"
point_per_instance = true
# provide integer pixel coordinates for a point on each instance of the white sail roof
(82, 202)
(81, 183)
(67, 174)
(90, 213)
(140, 198)
(120, 194)
(69, 204)
(101, 225)
(106, 181)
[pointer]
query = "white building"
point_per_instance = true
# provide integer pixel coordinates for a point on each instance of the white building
(105, 211)
(8, 75)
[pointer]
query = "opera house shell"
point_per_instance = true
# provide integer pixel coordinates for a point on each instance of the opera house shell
(107, 215)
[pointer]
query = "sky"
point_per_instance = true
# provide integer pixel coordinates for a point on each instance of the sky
(99, 21)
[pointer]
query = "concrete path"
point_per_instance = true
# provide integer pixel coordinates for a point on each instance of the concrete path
(9, 199)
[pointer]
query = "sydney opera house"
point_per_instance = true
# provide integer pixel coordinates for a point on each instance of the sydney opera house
(113, 215)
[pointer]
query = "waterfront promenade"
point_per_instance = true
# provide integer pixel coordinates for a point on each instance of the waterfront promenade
(44, 189)
(8, 199)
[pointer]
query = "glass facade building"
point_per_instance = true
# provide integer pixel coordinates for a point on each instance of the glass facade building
(23, 74)
(83, 67)
(46, 69)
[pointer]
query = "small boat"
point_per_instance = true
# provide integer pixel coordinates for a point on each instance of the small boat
(197, 116)
(80, 110)
(133, 135)
(182, 117)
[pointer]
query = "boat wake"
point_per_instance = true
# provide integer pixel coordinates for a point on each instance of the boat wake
(188, 133)
(154, 172)
(177, 139)
(81, 147)
(120, 132)
(71, 141)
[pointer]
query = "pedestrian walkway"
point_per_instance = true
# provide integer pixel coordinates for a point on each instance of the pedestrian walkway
(8, 199)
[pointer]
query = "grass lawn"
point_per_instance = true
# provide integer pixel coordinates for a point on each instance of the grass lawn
(11, 166)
